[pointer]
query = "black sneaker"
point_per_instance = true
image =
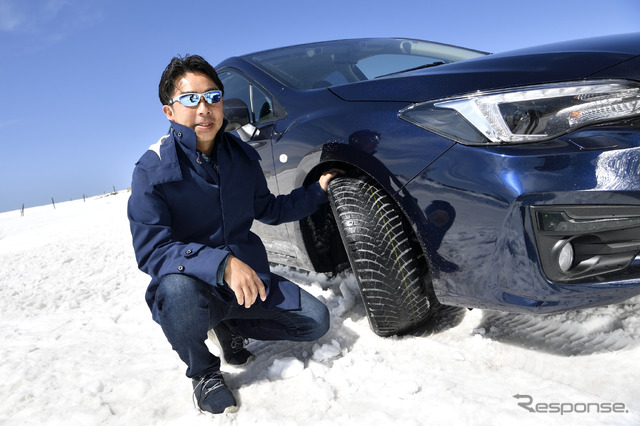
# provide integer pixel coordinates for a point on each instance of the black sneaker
(211, 394)
(232, 345)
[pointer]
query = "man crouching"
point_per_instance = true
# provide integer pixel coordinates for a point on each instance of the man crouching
(194, 196)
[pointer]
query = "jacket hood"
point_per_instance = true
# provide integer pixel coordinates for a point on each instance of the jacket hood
(556, 62)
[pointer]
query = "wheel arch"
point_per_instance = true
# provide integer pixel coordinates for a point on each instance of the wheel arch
(318, 233)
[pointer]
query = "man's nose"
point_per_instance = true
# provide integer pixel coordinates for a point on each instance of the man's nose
(203, 105)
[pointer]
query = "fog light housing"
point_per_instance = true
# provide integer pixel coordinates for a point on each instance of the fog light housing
(566, 256)
(586, 242)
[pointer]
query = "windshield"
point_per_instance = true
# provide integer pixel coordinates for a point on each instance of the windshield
(318, 65)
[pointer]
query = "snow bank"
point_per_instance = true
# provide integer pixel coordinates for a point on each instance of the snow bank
(78, 347)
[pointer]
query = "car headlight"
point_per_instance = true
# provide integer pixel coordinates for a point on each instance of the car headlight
(526, 114)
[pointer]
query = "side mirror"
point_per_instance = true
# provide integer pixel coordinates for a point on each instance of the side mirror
(236, 112)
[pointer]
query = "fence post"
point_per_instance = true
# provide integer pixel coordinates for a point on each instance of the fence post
(53, 202)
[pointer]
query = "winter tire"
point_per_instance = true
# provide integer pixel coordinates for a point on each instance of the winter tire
(391, 271)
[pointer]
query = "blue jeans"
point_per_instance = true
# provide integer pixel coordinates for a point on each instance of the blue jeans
(188, 310)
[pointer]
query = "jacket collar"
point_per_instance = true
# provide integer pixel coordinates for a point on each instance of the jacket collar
(185, 137)
(168, 168)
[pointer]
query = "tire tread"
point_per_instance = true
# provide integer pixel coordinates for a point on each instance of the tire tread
(390, 272)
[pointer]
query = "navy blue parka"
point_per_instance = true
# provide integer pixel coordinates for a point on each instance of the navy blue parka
(187, 214)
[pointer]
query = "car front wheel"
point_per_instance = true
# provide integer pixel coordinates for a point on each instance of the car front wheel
(391, 271)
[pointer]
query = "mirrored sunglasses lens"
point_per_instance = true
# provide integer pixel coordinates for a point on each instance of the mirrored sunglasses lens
(213, 96)
(190, 99)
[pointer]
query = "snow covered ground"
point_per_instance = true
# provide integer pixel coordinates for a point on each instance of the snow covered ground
(78, 347)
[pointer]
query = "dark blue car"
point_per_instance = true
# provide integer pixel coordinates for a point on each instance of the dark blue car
(497, 181)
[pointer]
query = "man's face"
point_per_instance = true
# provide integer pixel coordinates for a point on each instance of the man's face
(204, 118)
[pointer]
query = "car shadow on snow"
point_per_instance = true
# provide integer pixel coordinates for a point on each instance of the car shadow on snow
(440, 319)
(580, 332)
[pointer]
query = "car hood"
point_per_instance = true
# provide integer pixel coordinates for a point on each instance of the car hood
(557, 62)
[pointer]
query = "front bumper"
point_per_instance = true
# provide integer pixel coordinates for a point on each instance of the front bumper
(515, 209)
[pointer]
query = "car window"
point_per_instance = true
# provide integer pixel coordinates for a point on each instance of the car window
(319, 65)
(259, 103)
(379, 65)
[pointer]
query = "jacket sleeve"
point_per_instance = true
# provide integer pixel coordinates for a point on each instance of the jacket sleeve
(274, 210)
(157, 253)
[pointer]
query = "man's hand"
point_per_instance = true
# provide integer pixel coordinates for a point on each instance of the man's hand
(244, 282)
(327, 176)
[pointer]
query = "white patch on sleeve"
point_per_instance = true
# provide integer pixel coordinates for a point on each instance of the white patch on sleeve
(156, 146)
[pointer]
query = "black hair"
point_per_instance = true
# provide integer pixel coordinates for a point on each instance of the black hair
(178, 67)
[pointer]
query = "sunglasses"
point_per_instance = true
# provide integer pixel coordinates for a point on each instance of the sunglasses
(193, 99)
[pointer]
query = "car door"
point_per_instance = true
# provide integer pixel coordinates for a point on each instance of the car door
(243, 94)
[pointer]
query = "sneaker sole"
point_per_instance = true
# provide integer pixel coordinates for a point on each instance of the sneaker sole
(230, 410)
(251, 358)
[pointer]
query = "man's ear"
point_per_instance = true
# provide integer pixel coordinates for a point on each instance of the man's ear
(168, 111)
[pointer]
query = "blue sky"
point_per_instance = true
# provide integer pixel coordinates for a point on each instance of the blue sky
(79, 78)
